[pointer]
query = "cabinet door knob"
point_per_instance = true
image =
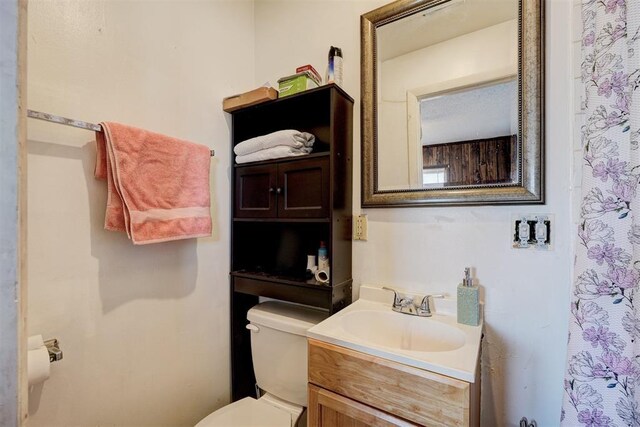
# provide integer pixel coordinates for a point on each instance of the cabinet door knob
(278, 190)
(271, 190)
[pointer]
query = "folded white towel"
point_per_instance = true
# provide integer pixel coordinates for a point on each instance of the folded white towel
(287, 137)
(276, 152)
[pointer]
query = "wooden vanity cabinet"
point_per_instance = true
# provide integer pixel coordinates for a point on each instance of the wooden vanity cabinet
(350, 388)
(330, 409)
(283, 208)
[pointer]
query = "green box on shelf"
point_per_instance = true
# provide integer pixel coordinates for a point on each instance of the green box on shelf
(296, 83)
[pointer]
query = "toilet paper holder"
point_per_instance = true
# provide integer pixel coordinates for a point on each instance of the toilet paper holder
(53, 347)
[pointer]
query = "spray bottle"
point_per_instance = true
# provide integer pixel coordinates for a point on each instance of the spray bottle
(334, 67)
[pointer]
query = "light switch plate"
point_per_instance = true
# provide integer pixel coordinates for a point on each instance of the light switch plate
(532, 231)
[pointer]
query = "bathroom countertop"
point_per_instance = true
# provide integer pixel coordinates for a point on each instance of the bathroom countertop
(460, 363)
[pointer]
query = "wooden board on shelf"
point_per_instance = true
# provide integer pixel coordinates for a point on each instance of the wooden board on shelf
(241, 100)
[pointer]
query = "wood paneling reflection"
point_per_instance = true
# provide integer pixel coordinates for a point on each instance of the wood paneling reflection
(479, 161)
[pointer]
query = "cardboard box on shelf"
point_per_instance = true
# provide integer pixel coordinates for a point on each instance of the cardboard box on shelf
(256, 96)
(309, 67)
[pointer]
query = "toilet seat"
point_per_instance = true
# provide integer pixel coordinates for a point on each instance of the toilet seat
(248, 412)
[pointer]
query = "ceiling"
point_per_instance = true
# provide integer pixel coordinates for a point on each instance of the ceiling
(480, 112)
(440, 23)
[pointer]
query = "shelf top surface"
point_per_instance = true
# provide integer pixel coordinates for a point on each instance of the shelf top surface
(284, 159)
(289, 98)
(308, 283)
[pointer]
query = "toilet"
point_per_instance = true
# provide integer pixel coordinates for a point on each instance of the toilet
(279, 351)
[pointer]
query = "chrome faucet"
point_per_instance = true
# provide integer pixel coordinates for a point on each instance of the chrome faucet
(406, 305)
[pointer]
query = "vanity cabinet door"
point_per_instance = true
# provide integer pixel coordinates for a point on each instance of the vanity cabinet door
(328, 409)
(304, 188)
(256, 188)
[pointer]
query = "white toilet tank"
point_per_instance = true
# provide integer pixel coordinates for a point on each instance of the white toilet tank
(279, 347)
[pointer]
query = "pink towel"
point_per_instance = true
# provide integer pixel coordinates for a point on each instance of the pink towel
(157, 186)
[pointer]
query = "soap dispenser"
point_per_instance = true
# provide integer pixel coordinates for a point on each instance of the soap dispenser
(468, 301)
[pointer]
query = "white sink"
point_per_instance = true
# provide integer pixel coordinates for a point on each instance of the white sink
(403, 332)
(438, 343)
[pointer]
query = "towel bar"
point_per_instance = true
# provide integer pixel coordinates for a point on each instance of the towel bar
(71, 122)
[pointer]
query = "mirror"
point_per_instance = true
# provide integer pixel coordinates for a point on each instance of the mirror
(452, 108)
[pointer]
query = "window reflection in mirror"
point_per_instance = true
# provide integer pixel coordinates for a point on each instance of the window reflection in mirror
(434, 176)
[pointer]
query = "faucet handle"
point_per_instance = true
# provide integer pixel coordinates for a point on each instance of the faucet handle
(399, 300)
(424, 308)
(425, 300)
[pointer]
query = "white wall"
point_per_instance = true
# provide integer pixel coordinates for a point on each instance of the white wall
(426, 249)
(144, 329)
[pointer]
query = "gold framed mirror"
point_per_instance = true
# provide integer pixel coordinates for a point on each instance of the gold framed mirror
(453, 103)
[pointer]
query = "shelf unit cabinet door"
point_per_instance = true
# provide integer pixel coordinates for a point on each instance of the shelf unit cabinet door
(255, 192)
(304, 188)
(328, 409)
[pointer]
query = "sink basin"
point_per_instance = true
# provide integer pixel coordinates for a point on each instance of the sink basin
(401, 331)
(438, 344)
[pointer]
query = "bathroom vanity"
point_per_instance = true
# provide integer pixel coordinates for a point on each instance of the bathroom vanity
(406, 370)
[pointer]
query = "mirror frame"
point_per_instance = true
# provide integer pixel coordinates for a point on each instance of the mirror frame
(530, 186)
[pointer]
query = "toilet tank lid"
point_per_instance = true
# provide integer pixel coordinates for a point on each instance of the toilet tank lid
(286, 317)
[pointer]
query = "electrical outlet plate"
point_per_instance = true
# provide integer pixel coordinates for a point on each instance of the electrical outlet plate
(360, 227)
(532, 231)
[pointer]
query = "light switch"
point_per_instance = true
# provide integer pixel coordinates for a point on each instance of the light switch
(524, 232)
(531, 231)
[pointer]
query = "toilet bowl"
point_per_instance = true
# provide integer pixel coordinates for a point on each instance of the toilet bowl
(250, 412)
(279, 352)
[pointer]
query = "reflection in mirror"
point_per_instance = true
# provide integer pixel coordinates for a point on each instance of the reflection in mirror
(447, 96)
(452, 103)
(471, 134)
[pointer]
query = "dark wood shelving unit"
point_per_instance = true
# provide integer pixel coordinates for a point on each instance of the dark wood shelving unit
(283, 208)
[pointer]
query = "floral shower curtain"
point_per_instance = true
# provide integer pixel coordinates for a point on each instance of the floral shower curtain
(602, 380)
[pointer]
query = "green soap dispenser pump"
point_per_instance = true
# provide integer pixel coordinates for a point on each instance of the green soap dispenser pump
(468, 301)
